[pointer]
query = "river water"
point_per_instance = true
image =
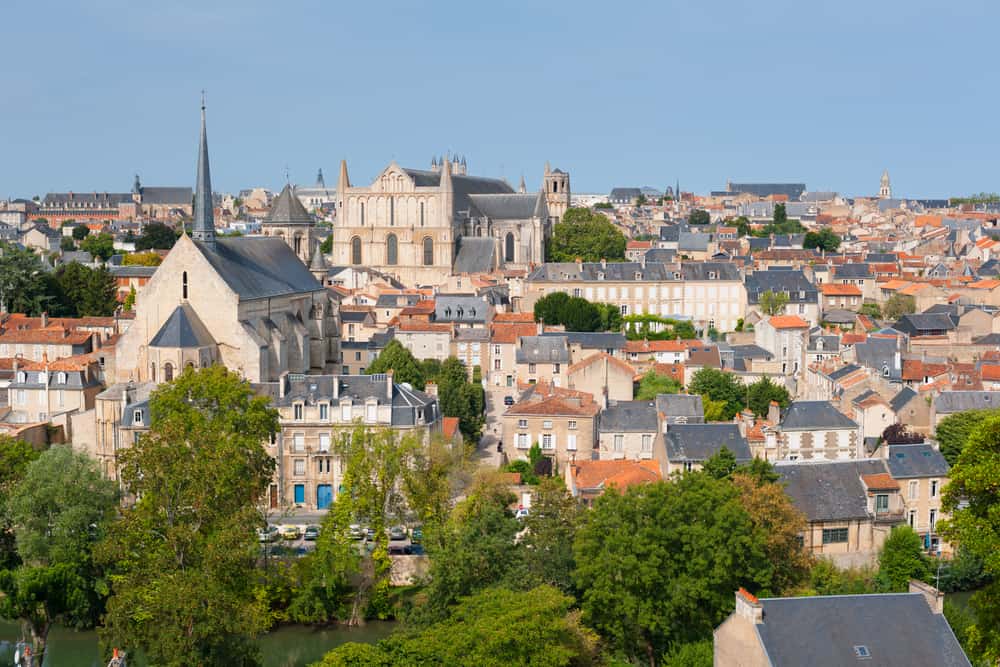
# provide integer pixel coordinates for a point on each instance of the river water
(290, 646)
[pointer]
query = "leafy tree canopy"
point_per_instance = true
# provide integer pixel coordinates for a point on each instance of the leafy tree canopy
(824, 239)
(396, 358)
(655, 327)
(80, 232)
(699, 216)
(77, 290)
(773, 303)
(761, 393)
(156, 236)
(100, 245)
(587, 235)
(954, 431)
(142, 259)
(653, 384)
(718, 385)
(901, 559)
(899, 305)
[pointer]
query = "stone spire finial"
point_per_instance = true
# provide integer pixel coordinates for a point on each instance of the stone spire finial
(343, 181)
(522, 188)
(548, 169)
(446, 176)
(203, 228)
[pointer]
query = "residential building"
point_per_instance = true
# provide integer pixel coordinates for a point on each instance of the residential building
(950, 402)
(786, 337)
(602, 375)
(803, 297)
(586, 480)
(628, 430)
(688, 446)
(922, 473)
(563, 423)
(812, 430)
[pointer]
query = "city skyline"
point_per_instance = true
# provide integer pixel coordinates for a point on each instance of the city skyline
(645, 96)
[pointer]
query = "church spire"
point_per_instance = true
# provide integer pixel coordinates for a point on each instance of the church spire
(203, 228)
(522, 188)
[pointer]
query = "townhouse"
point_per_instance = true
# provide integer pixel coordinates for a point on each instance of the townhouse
(562, 422)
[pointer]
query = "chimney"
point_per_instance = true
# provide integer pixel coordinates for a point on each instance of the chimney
(540, 327)
(431, 389)
(934, 597)
(388, 384)
(749, 607)
(604, 263)
(336, 386)
(774, 413)
(45, 319)
(282, 384)
(579, 264)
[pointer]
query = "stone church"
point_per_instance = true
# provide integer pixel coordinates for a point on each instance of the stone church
(248, 303)
(422, 226)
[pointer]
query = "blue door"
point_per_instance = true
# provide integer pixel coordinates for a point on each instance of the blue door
(300, 494)
(324, 496)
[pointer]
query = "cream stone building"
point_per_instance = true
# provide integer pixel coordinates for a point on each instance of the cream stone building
(248, 303)
(422, 226)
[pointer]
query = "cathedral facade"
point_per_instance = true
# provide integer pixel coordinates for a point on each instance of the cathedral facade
(248, 303)
(422, 226)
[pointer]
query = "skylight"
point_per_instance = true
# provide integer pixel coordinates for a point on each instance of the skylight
(862, 652)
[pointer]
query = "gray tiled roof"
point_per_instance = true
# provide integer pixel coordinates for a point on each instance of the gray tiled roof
(698, 442)
(948, 402)
(831, 343)
(843, 371)
(166, 196)
(854, 271)
(793, 282)
(475, 255)
(824, 631)
(261, 267)
(661, 255)
(507, 206)
(288, 209)
(751, 352)
(182, 329)
(879, 354)
(920, 322)
(829, 490)
(840, 316)
(916, 461)
(635, 271)
(814, 415)
(459, 308)
(543, 350)
(688, 406)
(904, 396)
(396, 300)
(628, 416)
(599, 340)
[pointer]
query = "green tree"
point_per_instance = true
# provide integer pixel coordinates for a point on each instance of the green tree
(872, 310)
(101, 246)
(156, 236)
(694, 654)
(66, 244)
(641, 200)
(23, 283)
(15, 456)
(780, 215)
(396, 358)
(80, 232)
(761, 393)
(658, 564)
(460, 398)
(824, 239)
(129, 304)
(954, 431)
(899, 305)
(548, 543)
(81, 291)
(58, 511)
(326, 247)
(494, 628)
(183, 586)
(573, 312)
(719, 385)
(971, 499)
(611, 317)
(646, 326)
(586, 235)
(720, 465)
(653, 384)
(147, 258)
(742, 225)
(699, 216)
(715, 411)
(773, 303)
(901, 559)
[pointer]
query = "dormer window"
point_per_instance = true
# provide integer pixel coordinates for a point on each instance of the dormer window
(371, 412)
(345, 411)
(137, 417)
(885, 371)
(22, 377)
(297, 411)
(638, 275)
(61, 378)
(711, 275)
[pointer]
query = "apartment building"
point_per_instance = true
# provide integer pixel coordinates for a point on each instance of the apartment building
(922, 473)
(563, 423)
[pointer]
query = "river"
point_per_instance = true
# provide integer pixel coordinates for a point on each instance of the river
(289, 646)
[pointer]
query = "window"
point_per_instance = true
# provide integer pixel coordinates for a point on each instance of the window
(914, 489)
(391, 250)
(184, 285)
(555, 369)
(168, 372)
(548, 441)
(572, 424)
(522, 423)
(934, 488)
(647, 443)
(324, 412)
(577, 291)
(421, 214)
(496, 364)
(862, 652)
(297, 412)
(834, 535)
(496, 350)
(357, 356)
(522, 441)
(392, 211)
(624, 309)
(362, 216)
(932, 520)
(324, 442)
(299, 442)
(300, 467)
(370, 412)
(428, 251)
(508, 255)
(22, 377)
(881, 503)
(61, 378)
(571, 442)
(619, 442)
(345, 412)
(137, 417)
(547, 424)
(531, 368)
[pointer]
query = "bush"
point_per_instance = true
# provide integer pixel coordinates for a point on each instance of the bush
(527, 470)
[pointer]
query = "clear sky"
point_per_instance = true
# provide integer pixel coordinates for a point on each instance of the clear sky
(824, 92)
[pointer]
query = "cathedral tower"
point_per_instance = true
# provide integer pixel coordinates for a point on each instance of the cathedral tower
(885, 190)
(289, 220)
(556, 185)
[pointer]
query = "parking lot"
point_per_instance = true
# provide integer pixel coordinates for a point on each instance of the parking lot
(282, 546)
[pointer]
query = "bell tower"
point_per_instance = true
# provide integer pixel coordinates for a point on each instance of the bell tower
(556, 184)
(885, 189)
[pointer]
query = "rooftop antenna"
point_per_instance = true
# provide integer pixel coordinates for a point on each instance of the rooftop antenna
(287, 180)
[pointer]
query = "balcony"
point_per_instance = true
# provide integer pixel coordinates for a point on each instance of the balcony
(889, 516)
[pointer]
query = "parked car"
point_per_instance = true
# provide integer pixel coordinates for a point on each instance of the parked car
(356, 531)
(508, 400)
(397, 533)
(290, 532)
(369, 533)
(269, 534)
(416, 535)
(311, 533)
(521, 513)
(400, 550)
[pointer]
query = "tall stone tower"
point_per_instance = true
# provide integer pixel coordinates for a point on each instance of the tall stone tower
(885, 190)
(556, 184)
(289, 220)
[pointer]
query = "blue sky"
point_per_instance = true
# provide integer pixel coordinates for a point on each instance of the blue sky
(824, 92)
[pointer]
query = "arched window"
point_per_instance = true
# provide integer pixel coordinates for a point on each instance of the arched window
(391, 250)
(555, 186)
(508, 254)
(298, 245)
(356, 250)
(428, 251)
(168, 372)
(152, 372)
(184, 285)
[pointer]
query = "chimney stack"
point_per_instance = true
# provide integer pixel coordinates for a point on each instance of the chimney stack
(774, 413)
(749, 607)
(45, 319)
(388, 383)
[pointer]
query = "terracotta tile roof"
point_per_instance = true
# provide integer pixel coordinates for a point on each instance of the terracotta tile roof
(22, 321)
(594, 358)
(984, 284)
(656, 346)
(48, 336)
(883, 268)
(913, 289)
(927, 221)
(78, 362)
(555, 406)
(894, 285)
(509, 333)
(425, 327)
(601, 475)
(638, 245)
(881, 481)
(449, 426)
(831, 289)
(756, 432)
(788, 322)
(514, 317)
(990, 372)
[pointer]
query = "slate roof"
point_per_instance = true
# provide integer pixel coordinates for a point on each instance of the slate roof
(459, 308)
(628, 417)
(917, 323)
(661, 255)
(475, 255)
(948, 402)
(829, 490)
(843, 371)
(814, 416)
(698, 442)
(854, 271)
(879, 354)
(680, 405)
(795, 283)
(750, 352)
(904, 396)
(256, 268)
(288, 209)
(165, 195)
(619, 194)
(840, 316)
(823, 631)
(920, 460)
(634, 271)
(396, 300)
(182, 329)
(831, 343)
(670, 233)
(507, 206)
(600, 340)
(543, 349)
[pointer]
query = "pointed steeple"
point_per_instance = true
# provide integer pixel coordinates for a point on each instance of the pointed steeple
(446, 176)
(522, 188)
(320, 182)
(548, 169)
(343, 182)
(203, 228)
(318, 262)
